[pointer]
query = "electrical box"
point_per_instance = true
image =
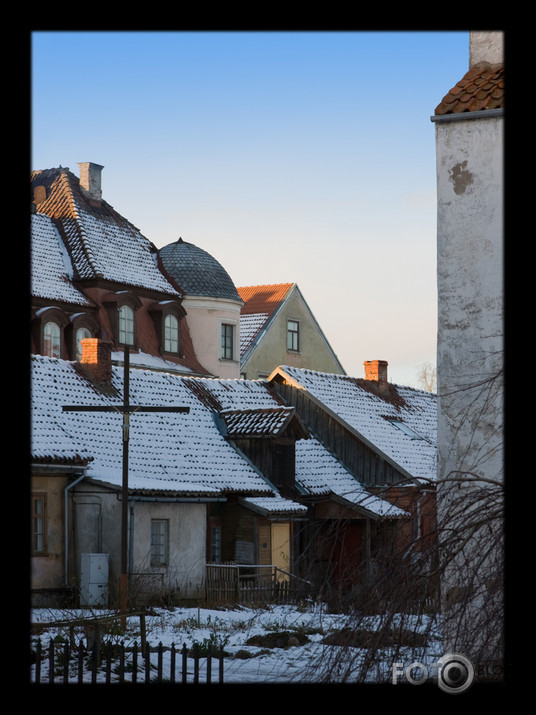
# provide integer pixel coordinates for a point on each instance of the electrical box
(94, 580)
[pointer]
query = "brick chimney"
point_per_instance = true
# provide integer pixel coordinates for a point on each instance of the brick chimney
(376, 370)
(97, 359)
(90, 180)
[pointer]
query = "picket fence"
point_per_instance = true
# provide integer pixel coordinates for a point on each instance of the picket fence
(117, 663)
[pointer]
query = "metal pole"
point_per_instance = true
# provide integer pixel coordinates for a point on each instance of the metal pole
(124, 503)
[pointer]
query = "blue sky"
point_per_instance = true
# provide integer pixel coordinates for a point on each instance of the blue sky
(304, 157)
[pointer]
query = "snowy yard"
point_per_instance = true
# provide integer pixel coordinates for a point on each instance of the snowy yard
(277, 644)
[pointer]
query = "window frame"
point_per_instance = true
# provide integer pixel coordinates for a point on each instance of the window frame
(52, 339)
(160, 542)
(35, 517)
(123, 321)
(227, 346)
(168, 347)
(293, 336)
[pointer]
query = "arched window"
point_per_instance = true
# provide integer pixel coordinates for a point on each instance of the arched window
(81, 333)
(52, 340)
(126, 325)
(171, 334)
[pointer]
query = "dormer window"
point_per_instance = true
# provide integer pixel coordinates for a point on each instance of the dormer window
(171, 334)
(166, 316)
(52, 340)
(122, 307)
(126, 325)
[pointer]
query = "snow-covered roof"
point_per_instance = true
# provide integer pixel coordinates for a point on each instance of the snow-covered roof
(102, 244)
(260, 304)
(319, 473)
(175, 453)
(402, 424)
(52, 271)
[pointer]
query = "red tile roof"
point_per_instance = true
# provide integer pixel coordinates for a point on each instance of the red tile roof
(263, 298)
(481, 88)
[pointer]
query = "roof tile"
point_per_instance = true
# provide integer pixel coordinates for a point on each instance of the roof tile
(481, 88)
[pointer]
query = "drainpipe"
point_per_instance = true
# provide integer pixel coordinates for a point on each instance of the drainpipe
(66, 508)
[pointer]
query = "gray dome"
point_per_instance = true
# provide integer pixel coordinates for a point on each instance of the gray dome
(196, 271)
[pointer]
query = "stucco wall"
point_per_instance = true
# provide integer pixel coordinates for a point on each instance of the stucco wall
(205, 317)
(470, 291)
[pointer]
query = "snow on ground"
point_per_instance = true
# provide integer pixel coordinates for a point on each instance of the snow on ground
(244, 663)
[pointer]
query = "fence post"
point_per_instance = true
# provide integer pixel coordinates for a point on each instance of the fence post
(184, 663)
(135, 662)
(172, 665)
(38, 662)
(209, 664)
(51, 661)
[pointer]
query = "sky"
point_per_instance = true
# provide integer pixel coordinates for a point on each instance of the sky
(291, 157)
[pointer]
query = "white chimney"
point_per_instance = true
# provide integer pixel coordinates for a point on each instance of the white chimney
(486, 47)
(90, 179)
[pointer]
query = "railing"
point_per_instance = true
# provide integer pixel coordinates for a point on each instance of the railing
(253, 583)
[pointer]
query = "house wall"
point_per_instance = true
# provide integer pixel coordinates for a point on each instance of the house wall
(185, 573)
(205, 317)
(315, 353)
(97, 529)
(48, 571)
(469, 369)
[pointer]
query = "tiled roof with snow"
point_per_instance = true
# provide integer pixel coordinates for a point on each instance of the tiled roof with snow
(260, 304)
(250, 326)
(102, 244)
(51, 268)
(403, 425)
(261, 422)
(318, 472)
(173, 452)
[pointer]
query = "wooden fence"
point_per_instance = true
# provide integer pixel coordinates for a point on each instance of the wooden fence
(252, 584)
(117, 663)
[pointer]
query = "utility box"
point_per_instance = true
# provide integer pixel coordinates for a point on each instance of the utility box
(94, 580)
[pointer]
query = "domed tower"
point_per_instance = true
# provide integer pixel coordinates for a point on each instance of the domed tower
(212, 305)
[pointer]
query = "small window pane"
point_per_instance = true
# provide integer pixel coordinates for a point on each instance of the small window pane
(51, 340)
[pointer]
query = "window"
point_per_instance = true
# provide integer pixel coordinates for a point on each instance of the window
(52, 340)
(403, 427)
(39, 545)
(216, 545)
(293, 335)
(159, 542)
(126, 325)
(171, 334)
(81, 333)
(227, 340)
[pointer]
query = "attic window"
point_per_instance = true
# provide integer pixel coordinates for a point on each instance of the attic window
(403, 427)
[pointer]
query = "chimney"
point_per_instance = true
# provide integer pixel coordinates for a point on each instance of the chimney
(486, 47)
(90, 180)
(97, 359)
(376, 370)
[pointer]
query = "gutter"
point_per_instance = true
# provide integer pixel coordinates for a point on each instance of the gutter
(461, 116)
(66, 518)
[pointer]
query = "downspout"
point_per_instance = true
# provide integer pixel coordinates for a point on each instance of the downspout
(66, 517)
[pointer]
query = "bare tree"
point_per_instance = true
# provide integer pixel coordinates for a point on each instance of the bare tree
(426, 377)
